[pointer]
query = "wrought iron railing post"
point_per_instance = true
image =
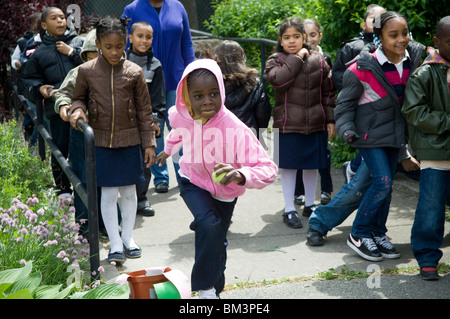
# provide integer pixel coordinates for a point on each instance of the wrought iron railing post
(88, 194)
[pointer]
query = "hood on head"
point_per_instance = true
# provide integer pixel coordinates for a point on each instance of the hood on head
(207, 64)
(88, 45)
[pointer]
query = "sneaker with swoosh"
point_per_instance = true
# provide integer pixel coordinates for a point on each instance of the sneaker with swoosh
(365, 247)
(385, 247)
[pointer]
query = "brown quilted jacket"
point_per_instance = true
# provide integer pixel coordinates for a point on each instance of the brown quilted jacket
(117, 102)
(304, 94)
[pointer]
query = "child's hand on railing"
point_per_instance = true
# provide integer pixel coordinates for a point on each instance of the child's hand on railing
(75, 116)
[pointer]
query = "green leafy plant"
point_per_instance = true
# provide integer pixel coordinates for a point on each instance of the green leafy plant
(252, 19)
(341, 152)
(21, 172)
(21, 283)
(105, 291)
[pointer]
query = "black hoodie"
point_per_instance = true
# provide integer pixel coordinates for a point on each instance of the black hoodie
(346, 53)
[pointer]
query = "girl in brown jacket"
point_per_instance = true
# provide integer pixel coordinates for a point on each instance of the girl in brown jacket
(113, 92)
(303, 113)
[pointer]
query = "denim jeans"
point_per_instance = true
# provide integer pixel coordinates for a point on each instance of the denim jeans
(428, 229)
(345, 202)
(355, 162)
(374, 208)
(211, 222)
(161, 173)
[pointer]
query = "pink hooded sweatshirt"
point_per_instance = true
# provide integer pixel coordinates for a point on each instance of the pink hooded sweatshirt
(222, 139)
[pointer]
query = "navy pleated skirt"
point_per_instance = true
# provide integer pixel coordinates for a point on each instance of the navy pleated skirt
(299, 151)
(119, 166)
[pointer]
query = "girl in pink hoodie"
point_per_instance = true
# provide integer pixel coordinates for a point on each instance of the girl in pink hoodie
(216, 146)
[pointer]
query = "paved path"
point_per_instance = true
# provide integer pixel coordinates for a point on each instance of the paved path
(262, 248)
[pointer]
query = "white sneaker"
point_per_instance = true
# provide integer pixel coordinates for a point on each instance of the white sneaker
(208, 294)
(347, 171)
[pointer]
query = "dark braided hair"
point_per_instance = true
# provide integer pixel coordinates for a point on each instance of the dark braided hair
(197, 74)
(110, 25)
(380, 21)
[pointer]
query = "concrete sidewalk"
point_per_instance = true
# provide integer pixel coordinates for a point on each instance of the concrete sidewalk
(262, 248)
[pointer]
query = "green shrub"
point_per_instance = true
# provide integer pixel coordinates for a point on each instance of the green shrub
(252, 19)
(21, 173)
(340, 152)
(341, 19)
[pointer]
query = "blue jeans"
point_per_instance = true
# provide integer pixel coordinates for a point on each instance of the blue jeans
(355, 162)
(428, 229)
(374, 208)
(161, 173)
(211, 222)
(345, 202)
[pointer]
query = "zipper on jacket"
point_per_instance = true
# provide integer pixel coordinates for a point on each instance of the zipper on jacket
(113, 108)
(206, 170)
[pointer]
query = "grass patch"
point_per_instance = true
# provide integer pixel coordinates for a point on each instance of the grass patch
(345, 273)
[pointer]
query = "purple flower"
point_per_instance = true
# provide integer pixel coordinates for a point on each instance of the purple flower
(61, 254)
(33, 218)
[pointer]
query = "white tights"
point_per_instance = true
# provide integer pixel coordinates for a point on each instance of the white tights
(288, 178)
(128, 204)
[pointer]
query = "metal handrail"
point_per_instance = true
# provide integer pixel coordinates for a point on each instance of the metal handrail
(87, 194)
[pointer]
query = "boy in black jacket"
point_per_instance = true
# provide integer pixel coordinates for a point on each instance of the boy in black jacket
(46, 69)
(141, 53)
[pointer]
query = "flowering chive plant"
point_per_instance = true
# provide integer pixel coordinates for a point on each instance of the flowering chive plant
(45, 233)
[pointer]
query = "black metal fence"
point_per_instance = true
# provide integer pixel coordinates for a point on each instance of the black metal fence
(88, 193)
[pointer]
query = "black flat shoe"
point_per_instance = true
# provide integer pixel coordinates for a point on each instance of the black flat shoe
(162, 187)
(314, 238)
(291, 219)
(308, 210)
(146, 211)
(429, 273)
(117, 256)
(133, 252)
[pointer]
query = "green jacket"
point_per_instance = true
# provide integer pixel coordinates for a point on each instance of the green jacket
(426, 109)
